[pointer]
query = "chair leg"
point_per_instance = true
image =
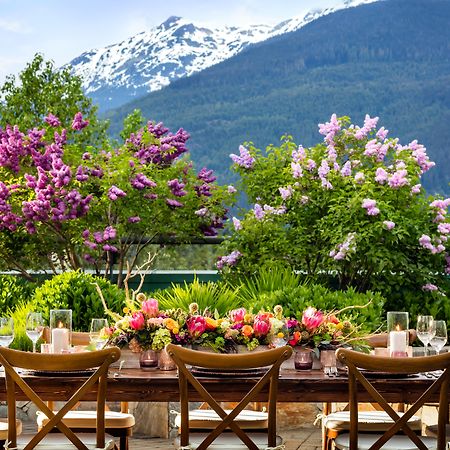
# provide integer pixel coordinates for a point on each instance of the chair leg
(123, 442)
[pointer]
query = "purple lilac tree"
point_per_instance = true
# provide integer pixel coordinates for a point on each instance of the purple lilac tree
(60, 211)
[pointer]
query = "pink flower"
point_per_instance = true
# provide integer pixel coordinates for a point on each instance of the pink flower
(388, 224)
(196, 326)
(261, 327)
(312, 318)
(150, 307)
(137, 322)
(237, 315)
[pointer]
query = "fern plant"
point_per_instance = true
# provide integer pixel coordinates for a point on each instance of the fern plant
(208, 296)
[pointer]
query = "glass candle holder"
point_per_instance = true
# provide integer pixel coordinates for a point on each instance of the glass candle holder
(398, 333)
(148, 359)
(60, 329)
(303, 359)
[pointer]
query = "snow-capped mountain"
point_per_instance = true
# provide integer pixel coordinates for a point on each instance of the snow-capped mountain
(177, 48)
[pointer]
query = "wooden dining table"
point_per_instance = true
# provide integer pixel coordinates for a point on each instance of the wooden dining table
(139, 385)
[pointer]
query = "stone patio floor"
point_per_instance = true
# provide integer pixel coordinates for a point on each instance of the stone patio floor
(295, 439)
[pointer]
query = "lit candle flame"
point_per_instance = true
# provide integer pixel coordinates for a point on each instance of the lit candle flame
(60, 325)
(397, 328)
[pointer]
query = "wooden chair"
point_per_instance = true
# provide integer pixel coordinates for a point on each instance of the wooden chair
(118, 423)
(371, 418)
(269, 360)
(357, 363)
(98, 360)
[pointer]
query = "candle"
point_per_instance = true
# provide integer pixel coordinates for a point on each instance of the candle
(60, 339)
(397, 343)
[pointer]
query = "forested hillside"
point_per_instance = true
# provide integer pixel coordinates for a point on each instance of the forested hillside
(390, 59)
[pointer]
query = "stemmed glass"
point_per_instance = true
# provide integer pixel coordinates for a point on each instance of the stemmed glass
(96, 334)
(34, 327)
(425, 330)
(6, 331)
(440, 336)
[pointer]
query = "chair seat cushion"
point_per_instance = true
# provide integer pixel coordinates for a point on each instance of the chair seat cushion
(365, 441)
(209, 419)
(58, 441)
(431, 430)
(228, 441)
(367, 421)
(4, 429)
(87, 419)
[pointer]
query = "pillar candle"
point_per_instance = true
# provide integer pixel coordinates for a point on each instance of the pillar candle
(397, 343)
(60, 339)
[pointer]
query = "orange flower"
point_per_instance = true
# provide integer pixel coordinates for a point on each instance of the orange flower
(170, 324)
(211, 324)
(247, 330)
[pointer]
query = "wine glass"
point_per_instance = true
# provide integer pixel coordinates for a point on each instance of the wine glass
(97, 334)
(440, 336)
(425, 330)
(6, 331)
(34, 326)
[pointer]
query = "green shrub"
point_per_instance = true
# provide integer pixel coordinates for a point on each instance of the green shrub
(13, 290)
(210, 295)
(77, 291)
(283, 287)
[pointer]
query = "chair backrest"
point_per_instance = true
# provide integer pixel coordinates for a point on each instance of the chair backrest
(97, 360)
(357, 363)
(270, 360)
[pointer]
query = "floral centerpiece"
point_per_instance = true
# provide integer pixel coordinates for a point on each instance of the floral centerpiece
(245, 328)
(145, 327)
(320, 330)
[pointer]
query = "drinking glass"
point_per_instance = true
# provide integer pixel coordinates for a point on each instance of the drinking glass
(96, 333)
(425, 330)
(6, 331)
(34, 326)
(440, 336)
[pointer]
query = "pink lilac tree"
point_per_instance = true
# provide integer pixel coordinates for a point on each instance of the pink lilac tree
(352, 206)
(101, 210)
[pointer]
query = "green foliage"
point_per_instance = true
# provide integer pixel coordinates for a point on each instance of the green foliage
(41, 89)
(77, 291)
(208, 296)
(14, 290)
(271, 287)
(19, 314)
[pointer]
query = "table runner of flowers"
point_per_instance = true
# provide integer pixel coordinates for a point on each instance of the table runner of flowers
(144, 326)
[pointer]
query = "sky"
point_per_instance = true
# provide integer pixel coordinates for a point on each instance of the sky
(63, 29)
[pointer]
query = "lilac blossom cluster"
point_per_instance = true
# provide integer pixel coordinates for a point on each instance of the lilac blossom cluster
(228, 260)
(371, 207)
(261, 212)
(347, 247)
(168, 147)
(244, 159)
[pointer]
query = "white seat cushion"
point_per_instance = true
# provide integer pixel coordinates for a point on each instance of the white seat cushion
(209, 419)
(228, 441)
(4, 429)
(367, 421)
(365, 441)
(87, 419)
(58, 441)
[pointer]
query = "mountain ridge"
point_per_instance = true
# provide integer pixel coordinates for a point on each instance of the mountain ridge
(177, 48)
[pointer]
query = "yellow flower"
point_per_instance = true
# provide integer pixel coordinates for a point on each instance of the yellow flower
(126, 310)
(248, 317)
(170, 324)
(280, 334)
(339, 326)
(175, 331)
(141, 297)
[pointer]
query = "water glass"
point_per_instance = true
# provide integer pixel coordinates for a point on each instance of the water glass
(425, 330)
(6, 331)
(34, 326)
(440, 335)
(97, 333)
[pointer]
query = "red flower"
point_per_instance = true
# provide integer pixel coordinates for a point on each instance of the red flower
(137, 322)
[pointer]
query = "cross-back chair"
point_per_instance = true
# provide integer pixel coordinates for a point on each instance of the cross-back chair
(98, 361)
(270, 360)
(357, 364)
(371, 416)
(118, 423)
